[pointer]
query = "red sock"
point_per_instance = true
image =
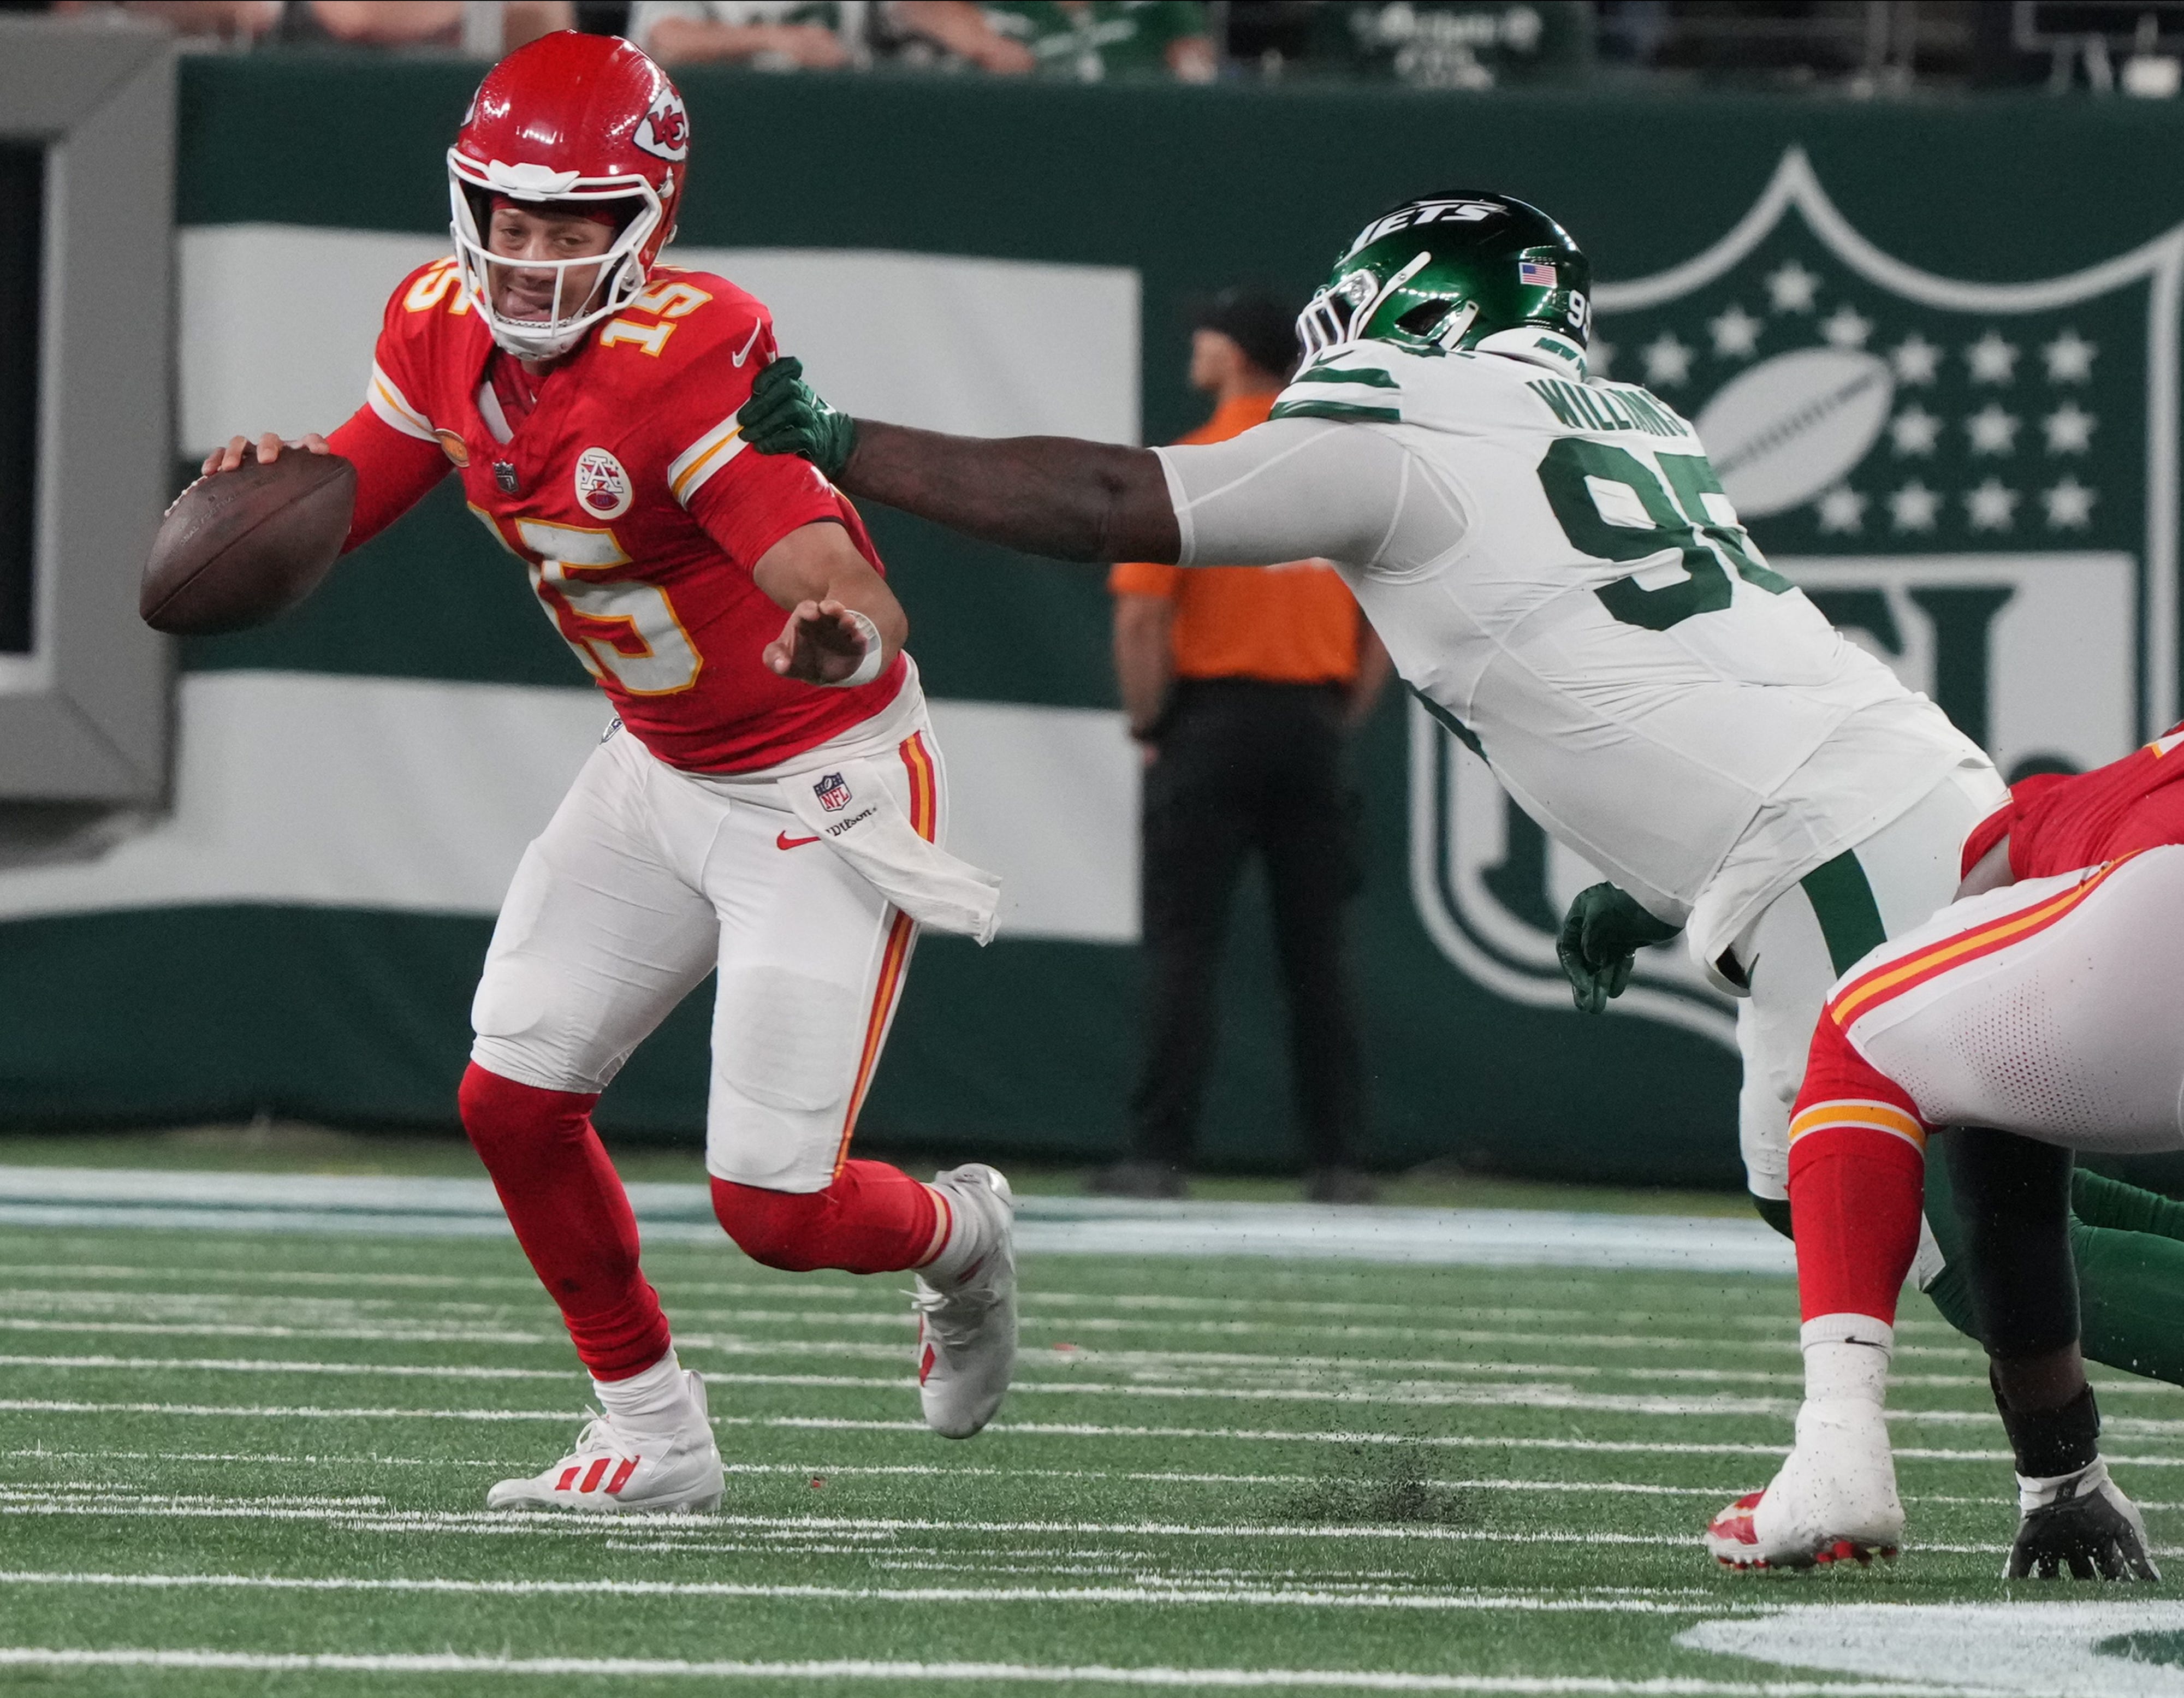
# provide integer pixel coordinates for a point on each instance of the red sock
(872, 1219)
(570, 1215)
(1855, 1194)
(1858, 1182)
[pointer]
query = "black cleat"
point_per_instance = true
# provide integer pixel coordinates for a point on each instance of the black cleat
(2088, 1527)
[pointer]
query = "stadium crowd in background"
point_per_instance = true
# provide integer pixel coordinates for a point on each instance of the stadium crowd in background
(1860, 46)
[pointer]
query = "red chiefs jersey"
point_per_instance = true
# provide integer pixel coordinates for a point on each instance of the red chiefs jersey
(630, 497)
(2057, 822)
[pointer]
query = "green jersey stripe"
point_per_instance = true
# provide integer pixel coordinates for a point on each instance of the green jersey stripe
(1356, 412)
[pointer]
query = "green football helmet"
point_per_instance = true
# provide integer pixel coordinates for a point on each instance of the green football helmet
(1448, 271)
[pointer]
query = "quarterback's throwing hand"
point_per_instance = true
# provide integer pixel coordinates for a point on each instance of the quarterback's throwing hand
(1601, 937)
(824, 642)
(785, 415)
(268, 449)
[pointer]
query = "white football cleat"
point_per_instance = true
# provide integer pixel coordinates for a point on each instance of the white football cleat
(1833, 1501)
(966, 1326)
(613, 1472)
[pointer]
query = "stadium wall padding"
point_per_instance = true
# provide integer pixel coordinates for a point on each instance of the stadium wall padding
(114, 1012)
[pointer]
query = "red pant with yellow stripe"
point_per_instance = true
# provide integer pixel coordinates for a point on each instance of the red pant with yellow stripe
(647, 879)
(2048, 1008)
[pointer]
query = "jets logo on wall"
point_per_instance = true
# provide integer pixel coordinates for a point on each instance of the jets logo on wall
(1977, 481)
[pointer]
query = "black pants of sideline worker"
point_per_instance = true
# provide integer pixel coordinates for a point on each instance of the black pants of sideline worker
(1247, 766)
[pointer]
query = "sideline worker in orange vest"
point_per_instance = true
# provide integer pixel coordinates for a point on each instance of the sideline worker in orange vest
(1243, 685)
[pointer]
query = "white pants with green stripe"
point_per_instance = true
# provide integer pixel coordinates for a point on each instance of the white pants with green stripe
(1807, 937)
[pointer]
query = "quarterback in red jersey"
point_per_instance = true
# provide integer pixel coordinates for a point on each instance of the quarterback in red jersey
(2033, 1018)
(769, 804)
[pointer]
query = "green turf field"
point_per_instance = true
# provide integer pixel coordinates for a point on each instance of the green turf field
(225, 1455)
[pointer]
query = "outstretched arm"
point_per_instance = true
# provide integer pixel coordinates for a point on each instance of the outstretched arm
(1045, 495)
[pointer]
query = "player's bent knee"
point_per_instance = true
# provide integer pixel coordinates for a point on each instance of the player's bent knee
(523, 1035)
(778, 1228)
(502, 1117)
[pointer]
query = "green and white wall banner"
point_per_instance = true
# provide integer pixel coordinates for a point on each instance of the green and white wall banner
(277, 324)
(1933, 345)
(417, 796)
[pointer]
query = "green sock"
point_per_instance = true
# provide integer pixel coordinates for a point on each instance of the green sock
(2101, 1201)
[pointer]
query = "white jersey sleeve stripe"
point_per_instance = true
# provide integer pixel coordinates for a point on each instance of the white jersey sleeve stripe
(688, 474)
(395, 409)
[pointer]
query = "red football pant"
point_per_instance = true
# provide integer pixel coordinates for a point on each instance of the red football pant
(570, 1215)
(872, 1219)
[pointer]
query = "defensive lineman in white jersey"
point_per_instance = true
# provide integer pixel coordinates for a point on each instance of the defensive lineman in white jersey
(1558, 574)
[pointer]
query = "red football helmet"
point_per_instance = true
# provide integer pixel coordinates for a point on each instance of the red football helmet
(570, 117)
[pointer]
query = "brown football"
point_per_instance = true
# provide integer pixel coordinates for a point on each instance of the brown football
(245, 546)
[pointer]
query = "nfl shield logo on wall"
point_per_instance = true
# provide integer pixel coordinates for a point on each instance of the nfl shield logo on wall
(1976, 481)
(833, 793)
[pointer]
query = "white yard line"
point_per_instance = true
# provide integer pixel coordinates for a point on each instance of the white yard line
(465, 1208)
(1300, 1597)
(75, 1501)
(427, 1331)
(957, 1673)
(1201, 1362)
(831, 1470)
(1025, 1429)
(368, 1334)
(819, 1472)
(1395, 1393)
(37, 1453)
(688, 1529)
(848, 1288)
(1204, 1364)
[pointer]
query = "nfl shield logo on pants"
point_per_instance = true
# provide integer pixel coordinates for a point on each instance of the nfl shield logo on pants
(832, 791)
(1976, 481)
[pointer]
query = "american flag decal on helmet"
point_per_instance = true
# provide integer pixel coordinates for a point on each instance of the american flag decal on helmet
(1533, 275)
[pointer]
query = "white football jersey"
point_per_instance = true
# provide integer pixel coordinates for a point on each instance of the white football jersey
(1553, 566)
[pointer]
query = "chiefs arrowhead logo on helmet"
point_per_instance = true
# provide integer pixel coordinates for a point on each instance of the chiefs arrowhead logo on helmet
(666, 131)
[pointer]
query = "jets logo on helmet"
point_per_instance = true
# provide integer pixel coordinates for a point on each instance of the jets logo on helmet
(570, 122)
(665, 130)
(1422, 212)
(1453, 270)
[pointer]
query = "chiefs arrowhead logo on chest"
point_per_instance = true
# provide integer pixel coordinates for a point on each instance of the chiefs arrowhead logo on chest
(603, 487)
(665, 130)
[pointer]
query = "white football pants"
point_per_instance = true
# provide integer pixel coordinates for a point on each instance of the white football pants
(2047, 1008)
(1911, 868)
(647, 879)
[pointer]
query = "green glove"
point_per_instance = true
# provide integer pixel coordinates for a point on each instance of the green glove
(1601, 935)
(785, 415)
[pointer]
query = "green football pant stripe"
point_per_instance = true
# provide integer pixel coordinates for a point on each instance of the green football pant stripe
(2128, 1243)
(1842, 902)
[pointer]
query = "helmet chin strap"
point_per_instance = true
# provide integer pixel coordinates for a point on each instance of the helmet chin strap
(1449, 336)
(1364, 316)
